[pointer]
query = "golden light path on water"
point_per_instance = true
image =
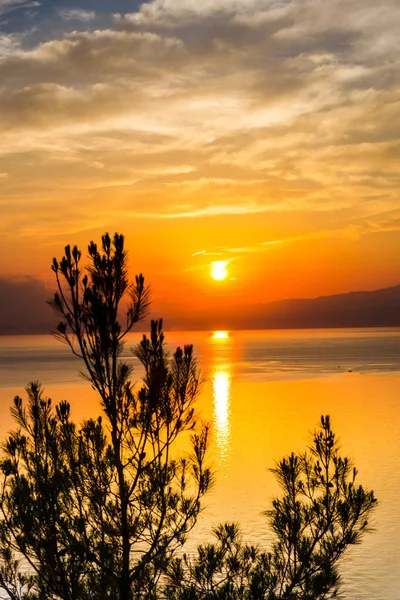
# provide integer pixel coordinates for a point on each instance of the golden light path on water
(221, 383)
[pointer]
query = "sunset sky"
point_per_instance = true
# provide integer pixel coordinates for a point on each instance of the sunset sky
(261, 134)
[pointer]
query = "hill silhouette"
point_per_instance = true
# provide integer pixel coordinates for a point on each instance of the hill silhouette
(24, 311)
(378, 308)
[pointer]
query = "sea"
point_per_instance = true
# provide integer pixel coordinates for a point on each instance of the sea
(263, 394)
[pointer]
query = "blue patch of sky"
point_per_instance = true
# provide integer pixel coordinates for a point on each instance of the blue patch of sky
(41, 20)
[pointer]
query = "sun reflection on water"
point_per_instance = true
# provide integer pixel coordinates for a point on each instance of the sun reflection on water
(221, 368)
(221, 380)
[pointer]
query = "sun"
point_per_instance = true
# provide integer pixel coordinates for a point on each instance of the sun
(220, 335)
(219, 270)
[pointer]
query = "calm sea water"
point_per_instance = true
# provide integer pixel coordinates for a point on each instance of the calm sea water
(264, 394)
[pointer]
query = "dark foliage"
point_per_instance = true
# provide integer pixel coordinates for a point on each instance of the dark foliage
(97, 511)
(320, 513)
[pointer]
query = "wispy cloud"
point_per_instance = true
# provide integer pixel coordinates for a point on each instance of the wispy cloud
(77, 14)
(351, 232)
(6, 5)
(208, 211)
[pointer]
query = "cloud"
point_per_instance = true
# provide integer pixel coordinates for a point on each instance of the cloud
(199, 109)
(9, 46)
(170, 14)
(9, 4)
(352, 232)
(209, 211)
(77, 14)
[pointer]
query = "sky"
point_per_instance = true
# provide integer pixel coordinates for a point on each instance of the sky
(260, 133)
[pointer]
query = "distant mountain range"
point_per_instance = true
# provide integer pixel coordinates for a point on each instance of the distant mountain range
(379, 308)
(23, 310)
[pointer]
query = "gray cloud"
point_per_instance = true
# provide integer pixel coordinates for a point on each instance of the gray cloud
(77, 14)
(6, 5)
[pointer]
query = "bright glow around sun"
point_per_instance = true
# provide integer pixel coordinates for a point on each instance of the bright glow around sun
(220, 335)
(219, 270)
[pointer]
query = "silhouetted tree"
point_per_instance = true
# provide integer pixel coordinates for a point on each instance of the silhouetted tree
(97, 512)
(320, 513)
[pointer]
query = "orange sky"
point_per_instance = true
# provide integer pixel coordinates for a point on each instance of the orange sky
(258, 133)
